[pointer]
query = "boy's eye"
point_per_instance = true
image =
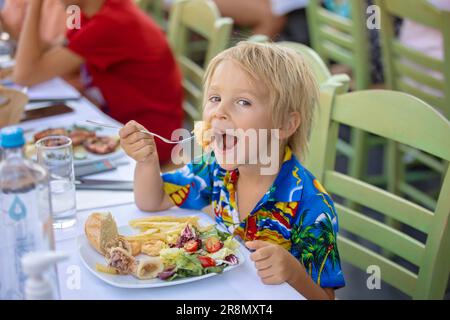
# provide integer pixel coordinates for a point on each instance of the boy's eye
(244, 103)
(214, 99)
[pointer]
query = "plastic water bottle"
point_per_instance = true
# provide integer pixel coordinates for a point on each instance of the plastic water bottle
(25, 213)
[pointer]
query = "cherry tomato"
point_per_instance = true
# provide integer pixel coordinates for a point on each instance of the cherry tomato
(213, 244)
(207, 261)
(191, 246)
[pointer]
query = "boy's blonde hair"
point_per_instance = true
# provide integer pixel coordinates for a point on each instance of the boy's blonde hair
(288, 79)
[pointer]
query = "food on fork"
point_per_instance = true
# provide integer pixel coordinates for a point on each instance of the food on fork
(101, 232)
(202, 132)
(101, 145)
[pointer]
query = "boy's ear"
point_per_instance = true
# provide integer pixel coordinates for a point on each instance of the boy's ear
(290, 126)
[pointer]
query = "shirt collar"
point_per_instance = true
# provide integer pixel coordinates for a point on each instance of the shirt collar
(288, 185)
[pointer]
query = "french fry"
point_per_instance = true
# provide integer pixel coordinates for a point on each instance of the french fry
(105, 269)
(142, 236)
(206, 228)
(163, 219)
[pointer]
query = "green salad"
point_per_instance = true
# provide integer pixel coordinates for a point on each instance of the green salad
(198, 253)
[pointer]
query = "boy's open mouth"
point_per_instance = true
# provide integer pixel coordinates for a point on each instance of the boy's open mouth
(224, 141)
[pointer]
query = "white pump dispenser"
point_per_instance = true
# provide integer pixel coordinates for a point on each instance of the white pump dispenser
(35, 265)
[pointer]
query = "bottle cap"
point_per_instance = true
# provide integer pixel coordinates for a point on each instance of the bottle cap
(35, 264)
(12, 137)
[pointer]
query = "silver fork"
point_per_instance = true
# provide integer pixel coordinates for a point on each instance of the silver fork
(143, 131)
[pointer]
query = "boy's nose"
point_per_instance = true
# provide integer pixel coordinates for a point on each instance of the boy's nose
(221, 112)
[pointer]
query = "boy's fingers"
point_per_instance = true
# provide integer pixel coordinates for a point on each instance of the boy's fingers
(265, 273)
(263, 264)
(261, 254)
(143, 153)
(256, 244)
(128, 129)
(141, 144)
(136, 137)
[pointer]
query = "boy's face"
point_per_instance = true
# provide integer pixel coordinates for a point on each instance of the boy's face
(236, 101)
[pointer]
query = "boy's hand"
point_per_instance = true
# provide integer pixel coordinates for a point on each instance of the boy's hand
(137, 145)
(275, 264)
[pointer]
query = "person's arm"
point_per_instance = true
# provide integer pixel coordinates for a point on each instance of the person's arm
(35, 64)
(276, 265)
(148, 185)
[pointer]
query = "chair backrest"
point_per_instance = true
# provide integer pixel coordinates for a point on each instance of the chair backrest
(315, 62)
(203, 18)
(381, 112)
(403, 63)
(341, 39)
(323, 78)
(155, 8)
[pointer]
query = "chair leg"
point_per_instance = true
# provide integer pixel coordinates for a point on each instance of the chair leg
(394, 169)
(358, 161)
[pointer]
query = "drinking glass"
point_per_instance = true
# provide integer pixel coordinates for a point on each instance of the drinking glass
(56, 154)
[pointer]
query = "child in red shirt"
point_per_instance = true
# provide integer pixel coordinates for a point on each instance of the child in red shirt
(125, 58)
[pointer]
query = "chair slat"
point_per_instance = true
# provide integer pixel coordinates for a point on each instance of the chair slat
(314, 61)
(379, 103)
(420, 11)
(191, 70)
(337, 53)
(418, 76)
(433, 100)
(379, 200)
(381, 234)
(339, 38)
(417, 195)
(432, 163)
(391, 272)
(416, 56)
(334, 20)
(203, 18)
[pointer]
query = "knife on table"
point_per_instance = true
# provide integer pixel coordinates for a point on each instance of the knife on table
(112, 185)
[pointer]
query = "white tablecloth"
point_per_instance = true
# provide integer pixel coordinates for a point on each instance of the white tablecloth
(76, 282)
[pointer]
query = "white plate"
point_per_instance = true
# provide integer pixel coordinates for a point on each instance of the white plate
(90, 257)
(90, 157)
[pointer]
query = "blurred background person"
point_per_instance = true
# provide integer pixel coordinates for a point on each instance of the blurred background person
(267, 17)
(127, 65)
(52, 25)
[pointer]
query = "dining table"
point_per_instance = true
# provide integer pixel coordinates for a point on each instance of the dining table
(76, 281)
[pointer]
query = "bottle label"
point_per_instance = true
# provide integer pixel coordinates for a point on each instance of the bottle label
(17, 211)
(24, 219)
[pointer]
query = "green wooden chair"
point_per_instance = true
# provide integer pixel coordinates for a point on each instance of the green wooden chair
(155, 8)
(345, 41)
(397, 66)
(377, 112)
(396, 55)
(323, 78)
(340, 39)
(203, 18)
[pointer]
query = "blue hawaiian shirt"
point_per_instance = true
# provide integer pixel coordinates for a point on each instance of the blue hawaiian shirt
(295, 213)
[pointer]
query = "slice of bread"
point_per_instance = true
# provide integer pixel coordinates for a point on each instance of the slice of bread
(101, 232)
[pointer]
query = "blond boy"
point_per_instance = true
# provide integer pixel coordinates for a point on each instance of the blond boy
(286, 217)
